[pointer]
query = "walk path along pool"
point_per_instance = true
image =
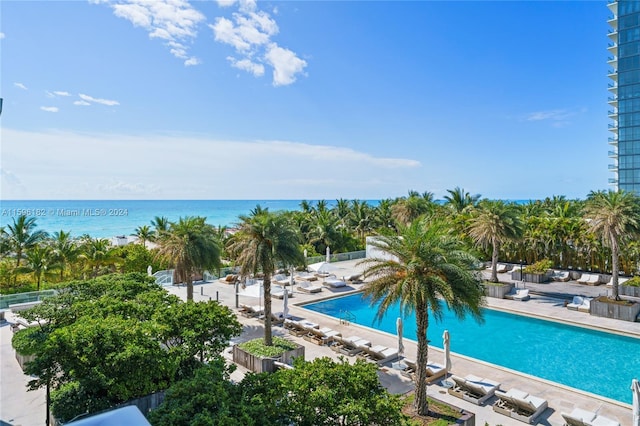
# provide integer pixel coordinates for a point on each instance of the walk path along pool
(590, 360)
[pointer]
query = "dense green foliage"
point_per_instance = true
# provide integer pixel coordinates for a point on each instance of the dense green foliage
(316, 393)
(118, 337)
(258, 348)
(540, 267)
(430, 268)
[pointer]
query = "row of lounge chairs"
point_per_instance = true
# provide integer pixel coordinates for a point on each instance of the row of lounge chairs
(581, 304)
(379, 354)
(434, 370)
(580, 417)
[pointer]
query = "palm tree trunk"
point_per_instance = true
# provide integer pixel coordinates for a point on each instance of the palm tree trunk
(421, 404)
(494, 263)
(267, 309)
(615, 268)
(187, 279)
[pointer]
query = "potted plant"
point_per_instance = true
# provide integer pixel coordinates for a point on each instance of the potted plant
(538, 272)
(259, 358)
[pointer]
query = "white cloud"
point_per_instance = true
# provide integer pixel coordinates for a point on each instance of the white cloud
(247, 65)
(250, 32)
(81, 103)
(1, 36)
(20, 86)
(286, 65)
(61, 93)
(225, 3)
(88, 98)
(50, 108)
(192, 61)
(557, 117)
(174, 21)
(84, 168)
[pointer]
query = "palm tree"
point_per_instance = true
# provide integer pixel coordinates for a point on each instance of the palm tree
(615, 217)
(430, 269)
(189, 245)
(406, 210)
(22, 235)
(64, 249)
(96, 253)
(37, 262)
(494, 223)
(144, 234)
(160, 225)
(361, 219)
(324, 231)
(263, 239)
(459, 199)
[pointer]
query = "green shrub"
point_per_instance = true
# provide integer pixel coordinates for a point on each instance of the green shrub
(633, 282)
(257, 347)
(540, 267)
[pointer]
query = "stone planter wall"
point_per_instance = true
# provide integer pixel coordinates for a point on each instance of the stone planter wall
(23, 359)
(627, 290)
(537, 278)
(262, 365)
(498, 290)
(467, 418)
(615, 311)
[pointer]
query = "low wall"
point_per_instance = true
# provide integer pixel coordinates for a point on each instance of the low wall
(615, 310)
(498, 290)
(467, 418)
(264, 365)
(23, 359)
(627, 290)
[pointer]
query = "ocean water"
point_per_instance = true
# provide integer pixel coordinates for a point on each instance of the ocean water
(586, 359)
(105, 219)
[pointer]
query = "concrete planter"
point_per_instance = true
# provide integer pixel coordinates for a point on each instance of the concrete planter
(627, 290)
(23, 359)
(615, 310)
(538, 278)
(261, 365)
(497, 290)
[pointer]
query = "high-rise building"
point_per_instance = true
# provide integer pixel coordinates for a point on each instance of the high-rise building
(625, 94)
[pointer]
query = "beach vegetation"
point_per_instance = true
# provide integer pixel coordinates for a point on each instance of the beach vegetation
(431, 268)
(101, 342)
(492, 224)
(22, 235)
(264, 242)
(539, 267)
(189, 246)
(614, 216)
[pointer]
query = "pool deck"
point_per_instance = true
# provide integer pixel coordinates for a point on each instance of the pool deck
(19, 407)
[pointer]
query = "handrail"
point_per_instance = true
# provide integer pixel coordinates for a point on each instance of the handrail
(347, 317)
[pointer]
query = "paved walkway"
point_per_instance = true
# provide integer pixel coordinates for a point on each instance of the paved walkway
(18, 407)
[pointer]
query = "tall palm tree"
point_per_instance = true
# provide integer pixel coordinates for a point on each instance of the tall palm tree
(324, 231)
(615, 217)
(361, 219)
(406, 210)
(64, 249)
(430, 269)
(22, 235)
(459, 199)
(189, 245)
(160, 225)
(37, 262)
(96, 253)
(144, 234)
(263, 240)
(494, 223)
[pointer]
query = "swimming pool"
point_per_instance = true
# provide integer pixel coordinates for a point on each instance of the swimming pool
(585, 359)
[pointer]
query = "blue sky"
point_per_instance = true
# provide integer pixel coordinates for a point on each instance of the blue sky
(132, 99)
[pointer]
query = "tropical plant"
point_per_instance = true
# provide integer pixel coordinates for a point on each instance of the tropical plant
(38, 261)
(65, 250)
(144, 234)
(428, 268)
(615, 217)
(263, 241)
(189, 245)
(22, 235)
(406, 210)
(459, 199)
(96, 253)
(493, 223)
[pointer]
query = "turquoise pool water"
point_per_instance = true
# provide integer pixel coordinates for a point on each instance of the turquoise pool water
(585, 359)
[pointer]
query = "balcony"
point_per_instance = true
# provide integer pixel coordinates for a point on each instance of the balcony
(613, 7)
(613, 61)
(613, 154)
(613, 181)
(613, 48)
(613, 141)
(613, 35)
(613, 22)
(613, 75)
(613, 167)
(612, 112)
(613, 101)
(613, 88)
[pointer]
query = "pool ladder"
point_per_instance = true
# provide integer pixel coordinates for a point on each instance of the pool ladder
(347, 317)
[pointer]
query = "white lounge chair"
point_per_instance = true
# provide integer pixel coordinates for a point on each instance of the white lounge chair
(589, 279)
(522, 294)
(349, 345)
(621, 280)
(281, 279)
(307, 287)
(501, 268)
(577, 301)
(379, 354)
(473, 389)
(305, 276)
(277, 291)
(562, 276)
(333, 282)
(354, 279)
(519, 405)
(321, 336)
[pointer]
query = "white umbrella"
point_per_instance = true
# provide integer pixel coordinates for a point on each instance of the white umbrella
(285, 303)
(447, 356)
(322, 267)
(149, 270)
(328, 254)
(635, 389)
(399, 331)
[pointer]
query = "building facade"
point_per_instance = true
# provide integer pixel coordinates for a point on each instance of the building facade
(624, 60)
